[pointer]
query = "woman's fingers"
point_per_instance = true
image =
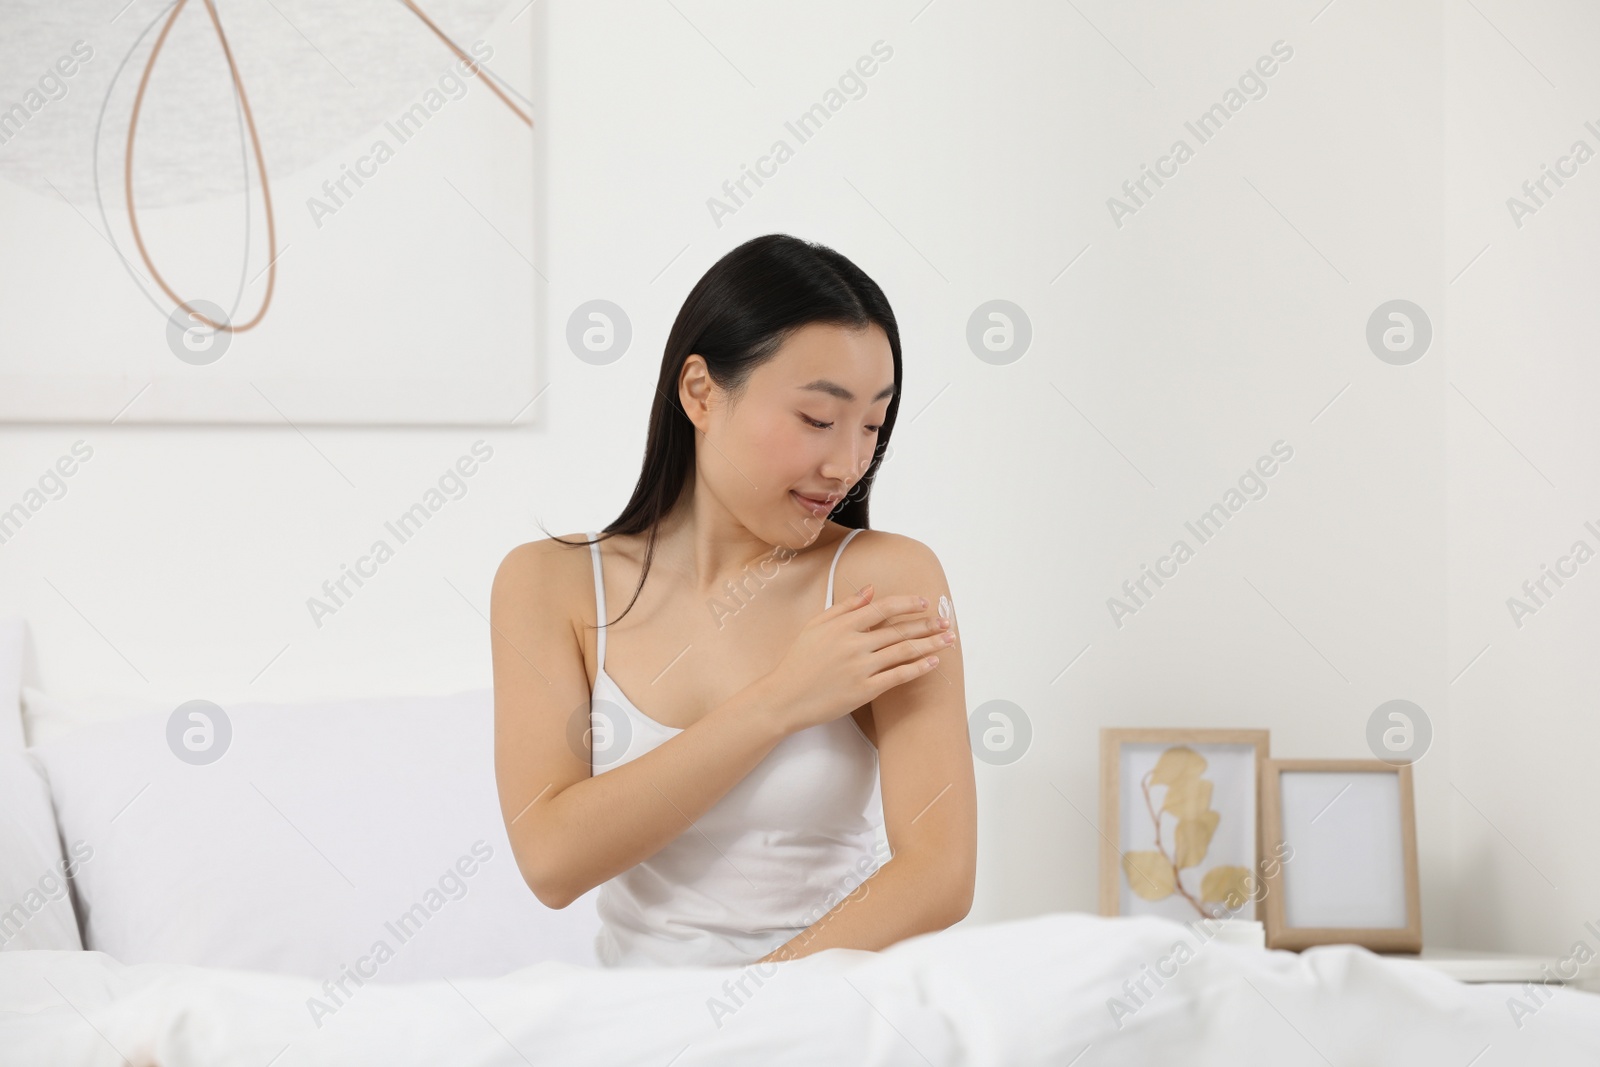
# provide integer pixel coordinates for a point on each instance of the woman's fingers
(914, 649)
(844, 605)
(905, 617)
(908, 627)
(905, 672)
(869, 613)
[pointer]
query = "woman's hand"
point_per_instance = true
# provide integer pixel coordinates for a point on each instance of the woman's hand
(849, 654)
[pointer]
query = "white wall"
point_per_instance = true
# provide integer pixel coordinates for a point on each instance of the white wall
(1521, 474)
(1227, 314)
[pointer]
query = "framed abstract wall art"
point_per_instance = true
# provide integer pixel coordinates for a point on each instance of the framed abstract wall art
(237, 211)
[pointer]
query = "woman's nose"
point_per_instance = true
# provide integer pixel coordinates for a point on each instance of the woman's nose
(846, 465)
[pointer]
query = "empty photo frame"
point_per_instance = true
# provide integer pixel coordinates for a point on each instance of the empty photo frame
(1179, 825)
(1347, 834)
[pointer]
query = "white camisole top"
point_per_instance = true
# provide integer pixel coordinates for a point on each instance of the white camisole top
(768, 860)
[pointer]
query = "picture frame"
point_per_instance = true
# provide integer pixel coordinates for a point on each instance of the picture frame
(1352, 879)
(1154, 780)
(368, 260)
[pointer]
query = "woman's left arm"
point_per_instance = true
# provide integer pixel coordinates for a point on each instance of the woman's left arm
(930, 807)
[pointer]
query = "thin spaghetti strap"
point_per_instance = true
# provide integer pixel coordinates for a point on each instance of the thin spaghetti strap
(599, 603)
(837, 553)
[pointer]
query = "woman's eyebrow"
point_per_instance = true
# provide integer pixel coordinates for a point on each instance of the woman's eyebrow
(823, 385)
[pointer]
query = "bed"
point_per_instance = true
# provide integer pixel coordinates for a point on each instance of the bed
(229, 911)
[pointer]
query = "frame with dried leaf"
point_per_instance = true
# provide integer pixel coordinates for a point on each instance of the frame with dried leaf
(1179, 827)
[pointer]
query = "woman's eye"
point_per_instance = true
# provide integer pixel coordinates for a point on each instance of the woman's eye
(814, 422)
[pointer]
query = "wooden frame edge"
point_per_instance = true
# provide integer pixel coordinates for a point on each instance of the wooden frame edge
(1406, 939)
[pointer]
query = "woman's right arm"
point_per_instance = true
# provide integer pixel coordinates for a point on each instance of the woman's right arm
(570, 831)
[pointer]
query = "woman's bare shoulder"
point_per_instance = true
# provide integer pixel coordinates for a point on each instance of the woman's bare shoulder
(549, 567)
(891, 548)
(879, 556)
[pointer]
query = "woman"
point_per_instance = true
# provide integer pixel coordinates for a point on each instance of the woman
(777, 677)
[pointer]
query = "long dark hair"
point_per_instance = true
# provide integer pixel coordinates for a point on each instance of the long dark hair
(737, 316)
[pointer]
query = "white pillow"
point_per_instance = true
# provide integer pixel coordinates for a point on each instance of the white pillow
(305, 845)
(35, 898)
(13, 647)
(47, 718)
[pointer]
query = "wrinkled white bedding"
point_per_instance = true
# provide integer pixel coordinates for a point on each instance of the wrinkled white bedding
(1032, 991)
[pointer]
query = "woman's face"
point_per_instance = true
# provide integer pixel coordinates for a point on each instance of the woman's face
(805, 426)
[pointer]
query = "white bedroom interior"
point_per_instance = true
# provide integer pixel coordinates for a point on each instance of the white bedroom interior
(1172, 345)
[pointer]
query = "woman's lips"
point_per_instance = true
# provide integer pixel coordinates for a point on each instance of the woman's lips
(811, 504)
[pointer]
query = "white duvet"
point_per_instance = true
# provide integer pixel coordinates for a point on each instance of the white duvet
(1061, 989)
